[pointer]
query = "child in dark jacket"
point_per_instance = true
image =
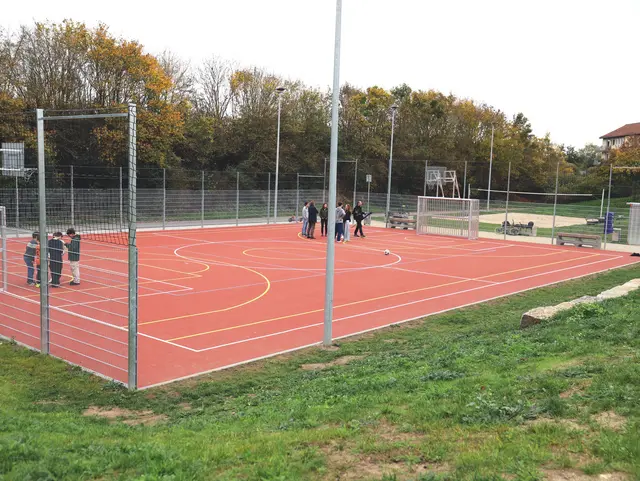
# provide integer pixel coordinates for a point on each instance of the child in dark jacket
(56, 250)
(30, 258)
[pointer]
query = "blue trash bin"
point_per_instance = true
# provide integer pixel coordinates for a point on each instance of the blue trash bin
(608, 225)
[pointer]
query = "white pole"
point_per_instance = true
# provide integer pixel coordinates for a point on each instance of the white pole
(393, 125)
(275, 195)
(333, 168)
(490, 168)
(506, 210)
(602, 202)
(555, 204)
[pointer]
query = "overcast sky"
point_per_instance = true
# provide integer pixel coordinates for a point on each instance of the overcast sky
(571, 66)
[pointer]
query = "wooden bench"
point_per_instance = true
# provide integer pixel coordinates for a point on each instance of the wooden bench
(404, 222)
(579, 240)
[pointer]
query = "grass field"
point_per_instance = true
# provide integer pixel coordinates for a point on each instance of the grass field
(465, 395)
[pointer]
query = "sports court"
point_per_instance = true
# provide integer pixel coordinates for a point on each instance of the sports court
(218, 297)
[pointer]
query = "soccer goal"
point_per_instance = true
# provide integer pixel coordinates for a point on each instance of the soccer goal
(449, 217)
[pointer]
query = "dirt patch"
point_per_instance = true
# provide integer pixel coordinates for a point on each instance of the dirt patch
(132, 418)
(570, 424)
(185, 406)
(346, 466)
(573, 475)
(539, 220)
(341, 361)
(575, 389)
(610, 420)
(389, 432)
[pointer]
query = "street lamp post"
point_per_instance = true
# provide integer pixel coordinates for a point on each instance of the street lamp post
(394, 108)
(280, 90)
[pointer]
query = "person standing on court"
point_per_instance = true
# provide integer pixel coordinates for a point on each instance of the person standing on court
(305, 219)
(347, 223)
(358, 216)
(56, 252)
(339, 222)
(30, 258)
(324, 219)
(73, 249)
(313, 219)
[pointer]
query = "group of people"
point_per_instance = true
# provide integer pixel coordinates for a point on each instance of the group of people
(344, 216)
(56, 249)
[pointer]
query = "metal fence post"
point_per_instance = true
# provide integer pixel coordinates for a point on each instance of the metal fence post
(355, 182)
(3, 236)
(555, 204)
(297, 193)
(132, 380)
(324, 182)
(73, 216)
(490, 169)
(606, 219)
(464, 188)
(506, 210)
(202, 201)
(268, 197)
(121, 201)
(44, 268)
(164, 198)
(327, 337)
(237, 197)
(426, 172)
(17, 208)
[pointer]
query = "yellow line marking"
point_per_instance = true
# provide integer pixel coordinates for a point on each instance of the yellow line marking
(198, 314)
(316, 311)
(387, 296)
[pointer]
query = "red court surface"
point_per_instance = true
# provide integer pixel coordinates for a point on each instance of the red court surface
(215, 298)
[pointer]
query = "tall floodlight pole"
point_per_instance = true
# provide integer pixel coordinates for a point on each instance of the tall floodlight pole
(490, 168)
(333, 170)
(394, 108)
(280, 90)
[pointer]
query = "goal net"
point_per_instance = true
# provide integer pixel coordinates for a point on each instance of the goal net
(449, 217)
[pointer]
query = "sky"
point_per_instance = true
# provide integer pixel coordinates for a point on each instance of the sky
(571, 66)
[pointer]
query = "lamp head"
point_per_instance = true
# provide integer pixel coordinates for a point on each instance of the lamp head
(280, 90)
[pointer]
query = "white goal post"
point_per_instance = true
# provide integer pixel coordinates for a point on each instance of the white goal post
(448, 217)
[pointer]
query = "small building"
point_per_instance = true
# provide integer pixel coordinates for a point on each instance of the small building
(619, 137)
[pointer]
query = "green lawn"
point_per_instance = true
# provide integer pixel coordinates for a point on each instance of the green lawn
(465, 395)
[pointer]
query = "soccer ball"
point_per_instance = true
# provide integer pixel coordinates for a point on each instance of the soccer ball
(386, 252)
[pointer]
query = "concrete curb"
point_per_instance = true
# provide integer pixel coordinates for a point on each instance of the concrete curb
(540, 314)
